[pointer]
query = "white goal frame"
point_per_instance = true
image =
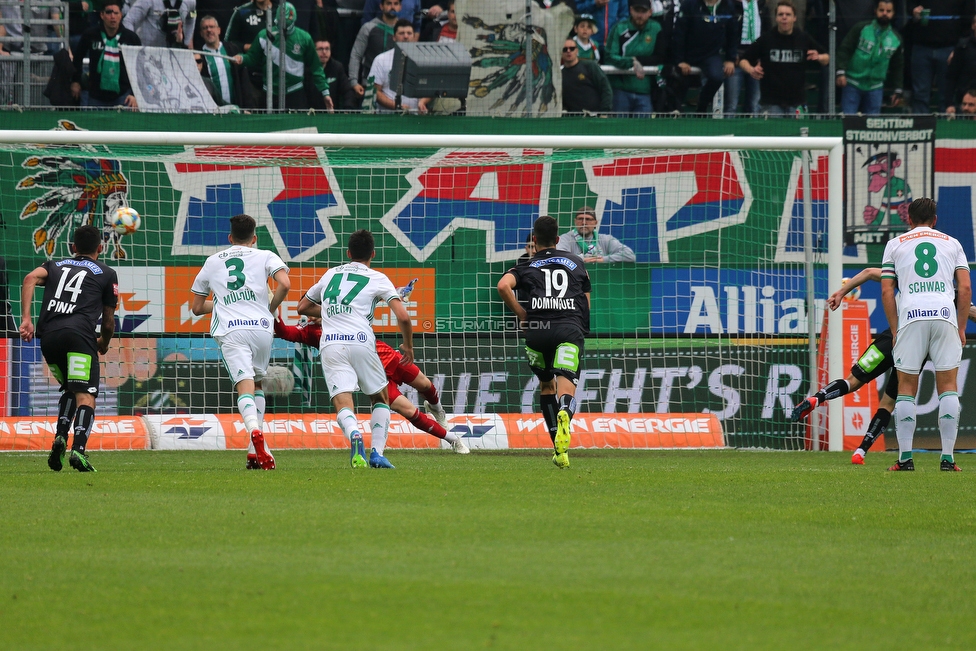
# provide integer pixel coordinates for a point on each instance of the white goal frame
(832, 145)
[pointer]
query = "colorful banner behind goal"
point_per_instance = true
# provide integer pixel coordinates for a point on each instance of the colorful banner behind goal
(709, 317)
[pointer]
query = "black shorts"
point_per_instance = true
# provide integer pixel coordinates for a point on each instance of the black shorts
(73, 360)
(876, 360)
(556, 351)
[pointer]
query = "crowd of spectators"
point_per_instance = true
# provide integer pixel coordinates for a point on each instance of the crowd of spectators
(624, 57)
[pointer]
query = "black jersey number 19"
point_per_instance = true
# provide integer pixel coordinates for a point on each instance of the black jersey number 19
(556, 279)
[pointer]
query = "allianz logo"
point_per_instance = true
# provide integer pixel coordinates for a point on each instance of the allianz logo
(746, 309)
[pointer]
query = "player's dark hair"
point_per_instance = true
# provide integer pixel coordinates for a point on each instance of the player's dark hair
(361, 246)
(972, 91)
(922, 211)
(87, 240)
(402, 22)
(786, 3)
(117, 3)
(877, 2)
(242, 228)
(546, 232)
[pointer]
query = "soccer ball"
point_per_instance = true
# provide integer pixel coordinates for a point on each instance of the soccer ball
(126, 221)
(855, 294)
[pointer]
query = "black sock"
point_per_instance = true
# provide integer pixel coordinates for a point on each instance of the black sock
(549, 406)
(835, 389)
(84, 420)
(876, 428)
(567, 403)
(66, 413)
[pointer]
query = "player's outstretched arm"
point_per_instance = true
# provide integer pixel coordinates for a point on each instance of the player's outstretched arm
(281, 290)
(31, 281)
(406, 329)
(871, 273)
(506, 289)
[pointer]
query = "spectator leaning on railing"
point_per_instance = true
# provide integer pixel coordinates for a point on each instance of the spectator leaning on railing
(937, 27)
(961, 75)
(870, 53)
(630, 44)
(778, 59)
(585, 86)
(706, 35)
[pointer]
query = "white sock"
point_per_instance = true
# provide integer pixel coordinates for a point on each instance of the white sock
(860, 452)
(905, 425)
(379, 425)
(949, 421)
(451, 437)
(347, 421)
(249, 412)
(259, 403)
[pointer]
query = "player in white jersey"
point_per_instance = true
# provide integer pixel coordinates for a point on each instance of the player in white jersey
(345, 298)
(929, 319)
(242, 321)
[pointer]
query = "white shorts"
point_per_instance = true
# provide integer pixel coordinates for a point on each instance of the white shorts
(936, 339)
(246, 354)
(348, 368)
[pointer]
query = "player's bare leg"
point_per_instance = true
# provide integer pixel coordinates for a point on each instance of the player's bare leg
(380, 426)
(247, 406)
(835, 389)
(346, 418)
(83, 423)
(558, 408)
(945, 384)
(879, 422)
(425, 423)
(432, 401)
(66, 415)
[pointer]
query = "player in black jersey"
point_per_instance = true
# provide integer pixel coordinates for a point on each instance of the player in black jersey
(556, 290)
(78, 292)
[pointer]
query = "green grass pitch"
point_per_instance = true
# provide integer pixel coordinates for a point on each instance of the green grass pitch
(500, 550)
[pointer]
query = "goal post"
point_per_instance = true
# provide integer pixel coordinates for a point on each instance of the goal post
(709, 314)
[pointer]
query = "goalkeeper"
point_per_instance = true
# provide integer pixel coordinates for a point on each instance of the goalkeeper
(873, 363)
(397, 373)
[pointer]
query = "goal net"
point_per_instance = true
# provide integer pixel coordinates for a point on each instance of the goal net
(701, 319)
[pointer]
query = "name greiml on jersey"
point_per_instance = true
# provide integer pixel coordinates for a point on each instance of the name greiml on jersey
(333, 310)
(242, 295)
(929, 286)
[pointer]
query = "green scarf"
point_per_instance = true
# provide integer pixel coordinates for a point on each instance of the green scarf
(221, 74)
(110, 65)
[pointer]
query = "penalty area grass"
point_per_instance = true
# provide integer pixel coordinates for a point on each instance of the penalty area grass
(625, 549)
